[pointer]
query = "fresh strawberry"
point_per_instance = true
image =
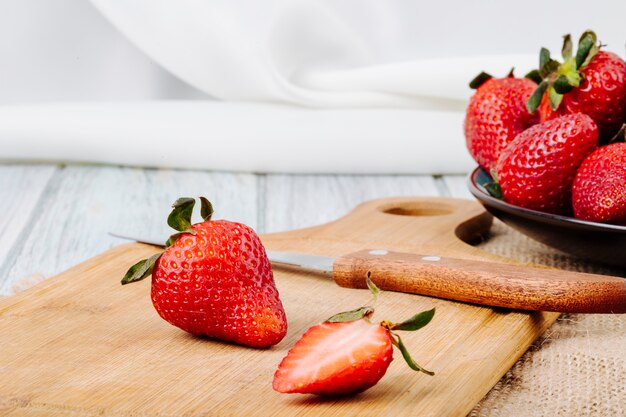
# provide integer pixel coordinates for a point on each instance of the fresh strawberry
(495, 115)
(346, 354)
(537, 169)
(599, 190)
(592, 82)
(336, 359)
(214, 279)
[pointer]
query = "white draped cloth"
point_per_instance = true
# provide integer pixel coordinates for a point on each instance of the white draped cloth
(351, 86)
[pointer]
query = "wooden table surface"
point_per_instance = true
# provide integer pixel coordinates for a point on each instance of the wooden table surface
(55, 216)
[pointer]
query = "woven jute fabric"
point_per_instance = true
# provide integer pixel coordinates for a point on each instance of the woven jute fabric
(577, 368)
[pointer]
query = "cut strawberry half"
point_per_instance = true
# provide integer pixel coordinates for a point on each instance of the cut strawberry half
(336, 359)
(346, 354)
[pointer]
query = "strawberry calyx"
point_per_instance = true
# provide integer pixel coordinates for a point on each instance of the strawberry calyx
(493, 187)
(179, 219)
(555, 78)
(479, 80)
(483, 77)
(414, 323)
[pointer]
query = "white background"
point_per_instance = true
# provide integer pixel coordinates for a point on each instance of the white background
(388, 79)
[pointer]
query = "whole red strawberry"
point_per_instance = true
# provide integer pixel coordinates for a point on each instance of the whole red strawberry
(592, 82)
(599, 190)
(537, 169)
(346, 354)
(495, 115)
(214, 279)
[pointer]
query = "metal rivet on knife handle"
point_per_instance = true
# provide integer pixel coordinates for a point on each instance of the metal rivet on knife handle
(486, 283)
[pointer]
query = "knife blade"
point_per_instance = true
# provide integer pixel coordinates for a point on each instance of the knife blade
(478, 282)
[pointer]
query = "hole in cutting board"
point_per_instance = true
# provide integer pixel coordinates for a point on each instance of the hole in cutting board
(417, 209)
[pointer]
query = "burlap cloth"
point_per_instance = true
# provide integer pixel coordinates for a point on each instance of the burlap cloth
(577, 368)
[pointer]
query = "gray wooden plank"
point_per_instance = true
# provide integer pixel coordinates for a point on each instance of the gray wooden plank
(21, 187)
(82, 204)
(296, 201)
(457, 186)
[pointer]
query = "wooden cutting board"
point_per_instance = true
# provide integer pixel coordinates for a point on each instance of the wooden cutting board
(80, 344)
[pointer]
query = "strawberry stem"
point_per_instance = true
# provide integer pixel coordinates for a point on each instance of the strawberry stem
(372, 287)
(397, 341)
(361, 312)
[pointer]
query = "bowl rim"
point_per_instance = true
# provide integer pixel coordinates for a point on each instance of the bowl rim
(483, 196)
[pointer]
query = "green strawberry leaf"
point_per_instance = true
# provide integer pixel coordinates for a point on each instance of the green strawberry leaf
(397, 341)
(180, 217)
(588, 33)
(547, 65)
(549, 68)
(562, 84)
(172, 239)
(141, 269)
(566, 50)
(494, 190)
(416, 322)
(479, 80)
(206, 209)
(351, 315)
(534, 76)
(544, 57)
(554, 98)
(587, 48)
(535, 99)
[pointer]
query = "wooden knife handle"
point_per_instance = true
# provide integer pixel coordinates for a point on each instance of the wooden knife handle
(486, 283)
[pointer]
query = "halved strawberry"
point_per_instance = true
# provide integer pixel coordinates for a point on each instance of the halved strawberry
(346, 354)
(336, 359)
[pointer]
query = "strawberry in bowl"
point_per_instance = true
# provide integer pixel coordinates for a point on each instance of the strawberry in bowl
(599, 189)
(561, 180)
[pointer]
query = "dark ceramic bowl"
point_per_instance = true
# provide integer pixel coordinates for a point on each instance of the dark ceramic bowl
(604, 243)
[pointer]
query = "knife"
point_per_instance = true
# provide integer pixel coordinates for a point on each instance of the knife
(477, 282)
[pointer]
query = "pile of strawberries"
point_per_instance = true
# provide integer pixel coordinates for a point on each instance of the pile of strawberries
(554, 140)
